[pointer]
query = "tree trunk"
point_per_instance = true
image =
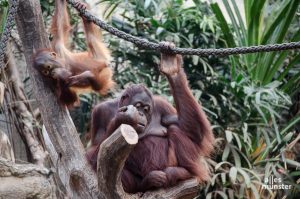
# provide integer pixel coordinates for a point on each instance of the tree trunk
(19, 107)
(69, 158)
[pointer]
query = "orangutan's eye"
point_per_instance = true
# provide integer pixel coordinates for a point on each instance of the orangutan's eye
(138, 105)
(147, 109)
(45, 72)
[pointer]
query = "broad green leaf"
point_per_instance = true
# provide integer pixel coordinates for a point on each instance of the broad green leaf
(213, 179)
(3, 15)
(281, 31)
(223, 24)
(147, 4)
(253, 172)
(290, 124)
(220, 164)
(233, 174)
(254, 22)
(238, 12)
(292, 162)
(236, 157)
(225, 152)
(223, 177)
(159, 30)
(238, 140)
(228, 135)
(234, 22)
(209, 196)
(269, 31)
(245, 176)
(254, 191)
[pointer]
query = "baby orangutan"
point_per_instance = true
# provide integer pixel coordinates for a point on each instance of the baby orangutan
(70, 73)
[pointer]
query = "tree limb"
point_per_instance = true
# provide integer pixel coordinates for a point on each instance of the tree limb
(111, 159)
(24, 181)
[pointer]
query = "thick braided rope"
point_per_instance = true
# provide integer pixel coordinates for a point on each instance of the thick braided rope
(184, 51)
(10, 21)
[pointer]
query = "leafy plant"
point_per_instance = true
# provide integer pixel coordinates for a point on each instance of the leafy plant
(261, 25)
(158, 21)
(256, 136)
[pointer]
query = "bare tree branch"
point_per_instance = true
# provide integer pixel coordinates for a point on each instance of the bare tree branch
(24, 181)
(184, 190)
(111, 159)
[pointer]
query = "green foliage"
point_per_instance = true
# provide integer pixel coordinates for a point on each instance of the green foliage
(263, 24)
(158, 21)
(3, 14)
(256, 135)
(3, 3)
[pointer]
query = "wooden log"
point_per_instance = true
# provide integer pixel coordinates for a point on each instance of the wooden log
(24, 181)
(184, 190)
(111, 159)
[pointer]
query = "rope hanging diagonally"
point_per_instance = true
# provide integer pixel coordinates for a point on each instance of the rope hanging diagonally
(10, 21)
(184, 51)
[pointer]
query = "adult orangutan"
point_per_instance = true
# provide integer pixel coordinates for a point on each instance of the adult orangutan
(171, 140)
(71, 73)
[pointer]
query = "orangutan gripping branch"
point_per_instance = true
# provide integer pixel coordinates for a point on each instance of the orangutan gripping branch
(171, 140)
(72, 73)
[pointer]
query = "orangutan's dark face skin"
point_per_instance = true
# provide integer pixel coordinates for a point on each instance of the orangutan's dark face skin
(49, 65)
(140, 107)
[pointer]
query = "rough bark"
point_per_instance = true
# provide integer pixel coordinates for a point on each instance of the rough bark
(24, 181)
(111, 159)
(21, 108)
(185, 190)
(5, 147)
(73, 171)
(8, 124)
